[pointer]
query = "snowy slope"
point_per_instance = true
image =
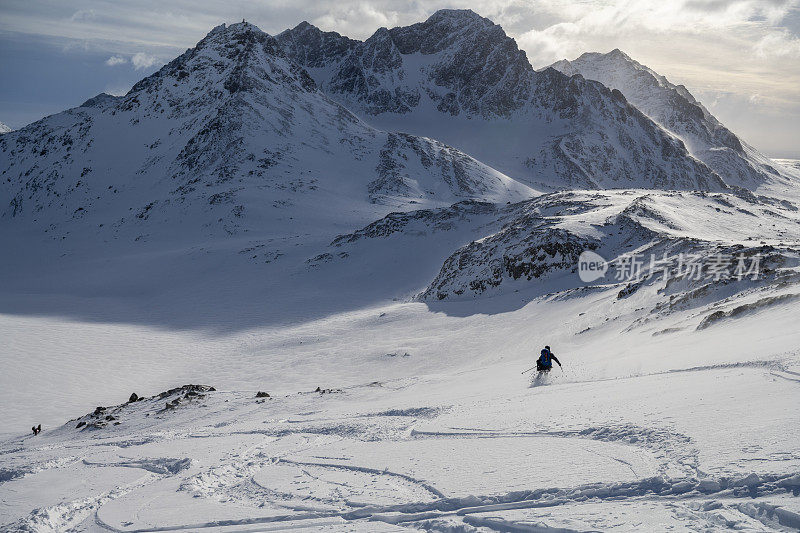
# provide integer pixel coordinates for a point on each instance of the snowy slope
(542, 241)
(532, 249)
(4, 128)
(423, 421)
(459, 78)
(792, 166)
(674, 108)
(225, 137)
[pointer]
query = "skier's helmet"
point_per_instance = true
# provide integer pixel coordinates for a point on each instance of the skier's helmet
(547, 348)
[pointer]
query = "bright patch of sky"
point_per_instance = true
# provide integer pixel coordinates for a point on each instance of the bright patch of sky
(739, 57)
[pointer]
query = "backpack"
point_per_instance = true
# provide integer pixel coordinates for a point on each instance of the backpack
(544, 359)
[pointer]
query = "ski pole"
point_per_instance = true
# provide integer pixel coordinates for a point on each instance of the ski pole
(531, 368)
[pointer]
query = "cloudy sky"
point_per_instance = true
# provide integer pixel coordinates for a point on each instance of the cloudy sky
(739, 57)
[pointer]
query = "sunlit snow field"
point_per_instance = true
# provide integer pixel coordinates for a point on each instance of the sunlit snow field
(429, 423)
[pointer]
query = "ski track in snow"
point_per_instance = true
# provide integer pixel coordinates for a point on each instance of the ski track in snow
(330, 490)
(434, 451)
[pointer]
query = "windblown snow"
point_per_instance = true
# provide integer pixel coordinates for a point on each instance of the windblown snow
(293, 282)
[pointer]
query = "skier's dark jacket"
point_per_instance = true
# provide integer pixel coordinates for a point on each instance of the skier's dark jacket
(545, 361)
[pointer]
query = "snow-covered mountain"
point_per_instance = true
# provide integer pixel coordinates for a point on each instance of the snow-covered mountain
(459, 78)
(649, 239)
(673, 107)
(225, 137)
(539, 246)
(360, 296)
(4, 128)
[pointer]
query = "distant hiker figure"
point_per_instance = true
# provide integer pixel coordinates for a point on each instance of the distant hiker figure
(545, 361)
(37, 429)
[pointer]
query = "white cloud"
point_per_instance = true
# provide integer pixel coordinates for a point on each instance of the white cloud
(115, 60)
(573, 25)
(555, 42)
(345, 18)
(83, 15)
(141, 60)
(778, 44)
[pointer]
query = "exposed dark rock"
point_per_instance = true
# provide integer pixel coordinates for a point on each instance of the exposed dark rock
(186, 389)
(326, 391)
(185, 394)
(99, 100)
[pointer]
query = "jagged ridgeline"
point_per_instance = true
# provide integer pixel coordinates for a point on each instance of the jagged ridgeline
(674, 108)
(246, 126)
(229, 133)
(459, 78)
(535, 246)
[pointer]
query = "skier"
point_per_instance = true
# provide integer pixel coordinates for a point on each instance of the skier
(545, 361)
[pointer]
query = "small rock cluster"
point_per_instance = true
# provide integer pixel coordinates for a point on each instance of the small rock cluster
(184, 394)
(326, 391)
(102, 416)
(98, 419)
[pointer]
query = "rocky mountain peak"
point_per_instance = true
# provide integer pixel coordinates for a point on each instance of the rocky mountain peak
(616, 53)
(452, 28)
(463, 66)
(99, 100)
(454, 17)
(466, 59)
(305, 26)
(312, 47)
(675, 109)
(235, 39)
(233, 59)
(233, 126)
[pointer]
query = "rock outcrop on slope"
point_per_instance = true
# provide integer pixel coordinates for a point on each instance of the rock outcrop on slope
(691, 249)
